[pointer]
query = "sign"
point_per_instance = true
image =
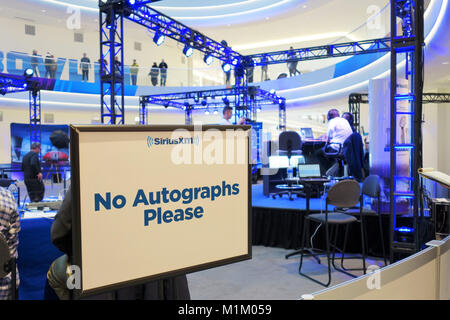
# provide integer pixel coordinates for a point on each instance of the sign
(152, 202)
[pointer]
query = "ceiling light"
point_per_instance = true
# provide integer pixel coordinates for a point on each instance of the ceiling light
(159, 38)
(188, 51)
(208, 59)
(226, 67)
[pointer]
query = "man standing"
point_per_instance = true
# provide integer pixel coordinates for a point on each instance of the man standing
(134, 69)
(227, 114)
(48, 65)
(34, 63)
(9, 231)
(338, 131)
(163, 70)
(85, 65)
(154, 72)
(31, 167)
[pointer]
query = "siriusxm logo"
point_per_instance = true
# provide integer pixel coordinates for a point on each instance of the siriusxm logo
(168, 141)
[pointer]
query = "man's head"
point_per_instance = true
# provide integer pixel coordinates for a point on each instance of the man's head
(349, 117)
(227, 112)
(84, 55)
(34, 51)
(36, 147)
(162, 60)
(333, 113)
(134, 60)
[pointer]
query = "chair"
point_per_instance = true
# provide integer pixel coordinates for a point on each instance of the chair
(289, 144)
(7, 265)
(343, 194)
(370, 188)
(337, 169)
(353, 150)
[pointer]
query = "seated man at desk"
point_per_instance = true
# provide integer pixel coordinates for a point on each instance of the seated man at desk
(227, 114)
(338, 131)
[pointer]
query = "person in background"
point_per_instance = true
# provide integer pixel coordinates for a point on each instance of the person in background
(264, 68)
(48, 65)
(85, 65)
(53, 67)
(154, 72)
(174, 288)
(134, 69)
(163, 70)
(338, 131)
(250, 71)
(227, 114)
(34, 63)
(227, 78)
(9, 231)
(32, 173)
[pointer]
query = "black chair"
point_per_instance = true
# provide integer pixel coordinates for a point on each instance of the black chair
(8, 265)
(346, 193)
(289, 144)
(370, 188)
(337, 169)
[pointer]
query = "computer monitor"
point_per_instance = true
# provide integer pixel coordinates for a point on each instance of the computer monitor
(278, 162)
(309, 170)
(306, 133)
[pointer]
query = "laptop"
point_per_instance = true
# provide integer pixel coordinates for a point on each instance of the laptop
(306, 133)
(309, 171)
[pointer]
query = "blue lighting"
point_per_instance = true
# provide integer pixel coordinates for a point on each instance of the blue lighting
(159, 38)
(25, 85)
(226, 67)
(188, 51)
(404, 229)
(272, 91)
(28, 72)
(132, 2)
(208, 59)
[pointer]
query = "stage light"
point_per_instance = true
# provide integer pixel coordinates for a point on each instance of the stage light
(207, 111)
(204, 102)
(280, 100)
(272, 91)
(159, 38)
(188, 51)
(28, 73)
(208, 59)
(215, 111)
(132, 2)
(226, 67)
(25, 85)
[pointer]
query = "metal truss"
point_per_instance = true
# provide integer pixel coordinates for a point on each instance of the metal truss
(322, 52)
(111, 62)
(160, 23)
(213, 99)
(10, 83)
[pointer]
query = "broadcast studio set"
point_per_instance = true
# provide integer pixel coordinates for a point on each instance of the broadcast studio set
(225, 150)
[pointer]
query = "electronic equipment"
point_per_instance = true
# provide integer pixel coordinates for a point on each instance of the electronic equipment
(306, 133)
(309, 171)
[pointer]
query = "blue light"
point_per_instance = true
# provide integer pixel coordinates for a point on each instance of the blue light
(159, 38)
(188, 51)
(404, 229)
(208, 59)
(25, 85)
(28, 72)
(132, 2)
(272, 91)
(226, 67)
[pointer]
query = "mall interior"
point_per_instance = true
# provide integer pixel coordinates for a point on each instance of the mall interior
(342, 109)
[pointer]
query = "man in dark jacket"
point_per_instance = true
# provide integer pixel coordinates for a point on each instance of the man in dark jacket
(175, 288)
(163, 69)
(31, 167)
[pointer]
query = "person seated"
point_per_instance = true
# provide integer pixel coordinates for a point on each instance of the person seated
(338, 131)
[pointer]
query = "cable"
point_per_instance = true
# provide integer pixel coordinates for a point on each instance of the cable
(321, 211)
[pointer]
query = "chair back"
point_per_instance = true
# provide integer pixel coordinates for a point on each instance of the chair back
(5, 257)
(289, 141)
(371, 186)
(344, 194)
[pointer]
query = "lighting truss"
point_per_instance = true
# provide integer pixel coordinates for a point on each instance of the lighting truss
(322, 52)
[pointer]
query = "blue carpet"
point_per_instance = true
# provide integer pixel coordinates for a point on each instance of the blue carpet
(36, 253)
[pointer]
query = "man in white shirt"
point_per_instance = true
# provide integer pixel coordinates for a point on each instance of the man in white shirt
(338, 131)
(227, 114)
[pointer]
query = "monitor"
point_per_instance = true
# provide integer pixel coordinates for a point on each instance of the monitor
(306, 133)
(278, 162)
(309, 170)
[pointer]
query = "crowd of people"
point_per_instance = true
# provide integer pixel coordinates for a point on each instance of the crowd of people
(157, 74)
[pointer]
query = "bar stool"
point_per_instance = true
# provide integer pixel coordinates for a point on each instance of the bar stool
(346, 193)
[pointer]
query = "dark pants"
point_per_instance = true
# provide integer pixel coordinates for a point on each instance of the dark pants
(133, 79)
(85, 75)
(35, 70)
(35, 189)
(154, 81)
(325, 162)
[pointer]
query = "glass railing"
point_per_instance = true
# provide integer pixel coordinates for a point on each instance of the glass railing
(74, 70)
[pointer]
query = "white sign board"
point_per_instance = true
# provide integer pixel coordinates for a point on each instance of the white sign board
(152, 202)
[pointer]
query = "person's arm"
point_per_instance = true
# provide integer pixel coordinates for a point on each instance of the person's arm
(36, 166)
(61, 231)
(9, 206)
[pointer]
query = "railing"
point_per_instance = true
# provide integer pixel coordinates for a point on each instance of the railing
(424, 275)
